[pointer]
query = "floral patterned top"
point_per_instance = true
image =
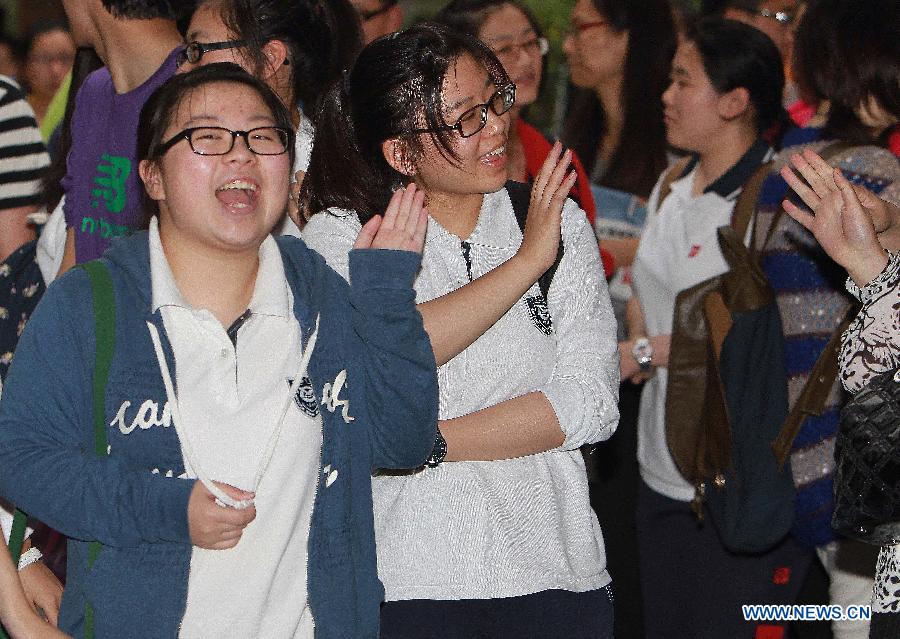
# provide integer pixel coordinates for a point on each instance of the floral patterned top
(870, 346)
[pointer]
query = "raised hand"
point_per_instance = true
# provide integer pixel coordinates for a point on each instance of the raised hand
(540, 241)
(216, 527)
(820, 182)
(403, 226)
(843, 227)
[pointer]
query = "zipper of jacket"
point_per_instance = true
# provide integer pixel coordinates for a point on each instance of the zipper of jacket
(467, 256)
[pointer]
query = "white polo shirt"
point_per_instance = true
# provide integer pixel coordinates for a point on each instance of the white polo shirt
(230, 397)
(678, 249)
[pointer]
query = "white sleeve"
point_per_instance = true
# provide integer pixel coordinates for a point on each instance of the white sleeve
(332, 234)
(52, 244)
(584, 386)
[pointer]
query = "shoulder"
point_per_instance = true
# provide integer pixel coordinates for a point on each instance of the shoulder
(332, 223)
(10, 91)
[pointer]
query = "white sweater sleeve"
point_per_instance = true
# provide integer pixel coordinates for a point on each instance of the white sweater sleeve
(332, 234)
(584, 386)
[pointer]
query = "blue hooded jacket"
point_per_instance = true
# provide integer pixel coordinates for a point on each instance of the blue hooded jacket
(137, 586)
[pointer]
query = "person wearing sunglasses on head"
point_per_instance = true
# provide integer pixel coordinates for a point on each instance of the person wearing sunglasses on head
(138, 42)
(297, 47)
(495, 536)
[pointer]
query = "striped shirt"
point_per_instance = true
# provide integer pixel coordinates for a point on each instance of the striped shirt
(23, 157)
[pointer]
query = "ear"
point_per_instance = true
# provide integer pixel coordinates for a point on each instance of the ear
(152, 179)
(276, 54)
(396, 154)
(734, 103)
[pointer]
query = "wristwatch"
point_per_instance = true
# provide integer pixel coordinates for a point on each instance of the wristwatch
(642, 352)
(438, 452)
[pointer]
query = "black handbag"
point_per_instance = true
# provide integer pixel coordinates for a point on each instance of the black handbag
(867, 450)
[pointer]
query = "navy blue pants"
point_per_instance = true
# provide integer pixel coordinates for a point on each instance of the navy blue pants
(694, 587)
(550, 614)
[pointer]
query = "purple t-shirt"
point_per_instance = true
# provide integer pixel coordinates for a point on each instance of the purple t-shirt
(102, 186)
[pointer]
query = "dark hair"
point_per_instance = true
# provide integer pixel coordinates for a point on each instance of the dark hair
(736, 55)
(394, 87)
(323, 39)
(847, 52)
(144, 9)
(157, 113)
(640, 155)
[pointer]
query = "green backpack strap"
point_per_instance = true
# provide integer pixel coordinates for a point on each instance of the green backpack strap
(104, 303)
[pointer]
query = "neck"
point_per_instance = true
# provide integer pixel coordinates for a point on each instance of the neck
(456, 213)
(39, 104)
(728, 147)
(609, 93)
(133, 50)
(221, 282)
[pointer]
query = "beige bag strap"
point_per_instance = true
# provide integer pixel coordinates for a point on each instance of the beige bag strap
(815, 392)
(672, 174)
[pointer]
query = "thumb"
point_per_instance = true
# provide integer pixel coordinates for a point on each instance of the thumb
(367, 233)
(235, 493)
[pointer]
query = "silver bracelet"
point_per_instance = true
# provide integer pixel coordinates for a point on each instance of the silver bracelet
(29, 557)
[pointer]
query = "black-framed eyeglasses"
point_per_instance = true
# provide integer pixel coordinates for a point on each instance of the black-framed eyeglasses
(781, 17)
(217, 140)
(193, 51)
(473, 120)
(365, 16)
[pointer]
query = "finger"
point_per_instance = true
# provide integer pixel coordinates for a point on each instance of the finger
(421, 229)
(367, 233)
(811, 176)
(540, 180)
(407, 204)
(852, 206)
(558, 199)
(804, 218)
(800, 187)
(235, 492)
(821, 167)
(393, 209)
(557, 177)
(414, 218)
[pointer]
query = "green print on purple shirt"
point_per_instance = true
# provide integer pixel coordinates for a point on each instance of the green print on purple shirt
(109, 189)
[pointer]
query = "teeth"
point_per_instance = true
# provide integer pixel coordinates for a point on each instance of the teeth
(498, 151)
(238, 184)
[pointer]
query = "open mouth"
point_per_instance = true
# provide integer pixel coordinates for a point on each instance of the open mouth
(238, 194)
(497, 153)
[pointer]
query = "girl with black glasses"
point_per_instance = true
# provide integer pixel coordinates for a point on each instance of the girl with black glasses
(494, 537)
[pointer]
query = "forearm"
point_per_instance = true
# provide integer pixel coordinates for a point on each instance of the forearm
(622, 250)
(517, 427)
(455, 320)
(15, 229)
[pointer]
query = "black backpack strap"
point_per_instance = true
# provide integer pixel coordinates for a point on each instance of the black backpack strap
(520, 196)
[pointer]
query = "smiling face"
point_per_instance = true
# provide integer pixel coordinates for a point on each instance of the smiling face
(482, 157)
(595, 50)
(692, 105)
(513, 40)
(225, 202)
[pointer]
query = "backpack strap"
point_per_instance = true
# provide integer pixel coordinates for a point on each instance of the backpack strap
(673, 173)
(745, 207)
(520, 196)
(813, 397)
(104, 303)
